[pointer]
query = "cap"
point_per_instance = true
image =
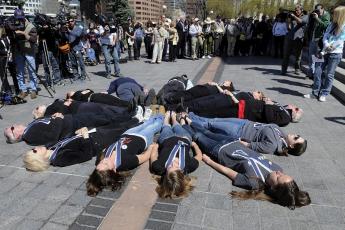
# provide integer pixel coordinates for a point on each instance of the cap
(19, 14)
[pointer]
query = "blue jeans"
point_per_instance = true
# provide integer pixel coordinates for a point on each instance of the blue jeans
(55, 67)
(176, 130)
(312, 50)
(323, 85)
(108, 55)
(232, 127)
(148, 129)
(77, 60)
(20, 64)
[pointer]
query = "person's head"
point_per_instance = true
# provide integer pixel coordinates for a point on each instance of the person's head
(296, 145)
(298, 10)
(338, 18)
(14, 133)
(319, 8)
(71, 23)
(296, 113)
(173, 24)
(258, 95)
(70, 94)
(232, 21)
(39, 111)
(91, 26)
(104, 176)
(19, 15)
(37, 159)
(278, 188)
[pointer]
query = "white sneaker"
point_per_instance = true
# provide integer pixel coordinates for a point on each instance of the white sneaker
(209, 56)
(147, 114)
(322, 98)
(203, 57)
(309, 96)
(139, 114)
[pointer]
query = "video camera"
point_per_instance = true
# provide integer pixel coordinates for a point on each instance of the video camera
(285, 14)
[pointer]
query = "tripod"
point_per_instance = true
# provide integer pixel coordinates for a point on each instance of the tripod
(49, 76)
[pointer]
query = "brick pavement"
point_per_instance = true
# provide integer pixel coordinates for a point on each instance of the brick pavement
(57, 199)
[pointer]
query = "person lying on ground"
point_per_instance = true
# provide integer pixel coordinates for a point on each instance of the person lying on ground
(263, 138)
(172, 162)
(132, 149)
(72, 150)
(48, 131)
(249, 170)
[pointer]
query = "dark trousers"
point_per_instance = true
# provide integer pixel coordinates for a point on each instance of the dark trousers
(148, 46)
(130, 55)
(192, 94)
(137, 46)
(172, 51)
(165, 49)
(218, 105)
(292, 47)
(108, 99)
(181, 47)
(278, 46)
(217, 45)
(5, 86)
(97, 48)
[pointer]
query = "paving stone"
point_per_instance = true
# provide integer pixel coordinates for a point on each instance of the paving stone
(220, 184)
(156, 225)
(329, 215)
(55, 179)
(29, 225)
(109, 194)
(43, 210)
(244, 221)
(80, 227)
(41, 191)
(97, 211)
(178, 226)
(332, 226)
(54, 226)
(303, 225)
(165, 216)
(196, 199)
(165, 207)
(60, 194)
(66, 214)
(7, 184)
(22, 207)
(322, 197)
(217, 219)
(73, 182)
(79, 198)
(169, 201)
(7, 171)
(9, 221)
(266, 209)
(273, 223)
(101, 202)
(90, 221)
(190, 215)
(305, 213)
(22, 189)
(216, 201)
(248, 206)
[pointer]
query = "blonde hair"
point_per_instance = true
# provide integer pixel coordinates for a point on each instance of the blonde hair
(35, 162)
(174, 185)
(339, 18)
(2, 31)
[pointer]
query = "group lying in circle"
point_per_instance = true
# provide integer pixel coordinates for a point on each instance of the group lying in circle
(231, 136)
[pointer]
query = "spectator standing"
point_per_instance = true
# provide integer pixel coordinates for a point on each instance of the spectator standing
(173, 41)
(294, 42)
(231, 31)
(261, 37)
(279, 31)
(93, 37)
(333, 44)
(129, 31)
(182, 34)
(24, 52)
(148, 39)
(138, 39)
(194, 33)
(157, 41)
(218, 35)
(318, 21)
(208, 37)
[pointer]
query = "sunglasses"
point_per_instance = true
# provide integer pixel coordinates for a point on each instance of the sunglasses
(34, 150)
(296, 137)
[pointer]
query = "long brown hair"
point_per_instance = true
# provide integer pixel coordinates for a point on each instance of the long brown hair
(98, 180)
(287, 194)
(339, 18)
(174, 184)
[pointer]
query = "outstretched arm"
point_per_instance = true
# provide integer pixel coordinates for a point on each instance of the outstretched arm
(198, 153)
(154, 153)
(145, 156)
(220, 168)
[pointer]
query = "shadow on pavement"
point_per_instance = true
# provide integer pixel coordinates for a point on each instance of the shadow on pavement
(339, 120)
(288, 82)
(265, 71)
(100, 73)
(286, 91)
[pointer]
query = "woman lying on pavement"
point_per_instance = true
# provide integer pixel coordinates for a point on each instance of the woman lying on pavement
(132, 149)
(172, 161)
(73, 150)
(248, 169)
(263, 138)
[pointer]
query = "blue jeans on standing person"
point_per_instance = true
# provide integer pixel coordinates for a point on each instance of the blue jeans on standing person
(323, 84)
(110, 54)
(116, 58)
(77, 61)
(20, 64)
(232, 127)
(55, 68)
(171, 131)
(148, 129)
(312, 50)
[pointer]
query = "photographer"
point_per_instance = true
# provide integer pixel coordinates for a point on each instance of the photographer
(319, 19)
(25, 48)
(4, 53)
(47, 33)
(297, 22)
(74, 34)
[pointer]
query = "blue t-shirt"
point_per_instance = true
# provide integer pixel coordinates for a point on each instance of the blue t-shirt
(116, 83)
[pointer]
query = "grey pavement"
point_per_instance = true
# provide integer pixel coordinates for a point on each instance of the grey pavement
(56, 199)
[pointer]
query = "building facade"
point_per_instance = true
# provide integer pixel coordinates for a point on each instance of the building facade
(145, 10)
(50, 6)
(32, 6)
